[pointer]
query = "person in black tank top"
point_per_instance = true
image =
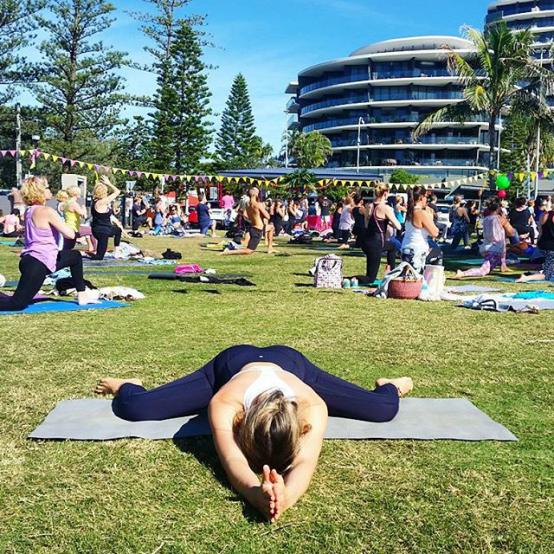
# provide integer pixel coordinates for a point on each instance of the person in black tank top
(359, 220)
(373, 239)
(520, 218)
(102, 226)
(546, 244)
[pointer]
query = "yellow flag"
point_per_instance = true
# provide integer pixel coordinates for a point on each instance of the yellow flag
(46, 156)
(55, 158)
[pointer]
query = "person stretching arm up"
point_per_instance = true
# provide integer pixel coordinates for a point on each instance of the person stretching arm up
(256, 213)
(40, 256)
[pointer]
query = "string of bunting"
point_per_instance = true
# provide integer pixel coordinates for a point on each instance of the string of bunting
(277, 182)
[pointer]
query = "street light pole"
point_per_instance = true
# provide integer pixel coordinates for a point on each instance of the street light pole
(18, 168)
(360, 122)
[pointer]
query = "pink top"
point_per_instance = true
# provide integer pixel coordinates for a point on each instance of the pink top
(227, 202)
(11, 222)
(494, 236)
(42, 244)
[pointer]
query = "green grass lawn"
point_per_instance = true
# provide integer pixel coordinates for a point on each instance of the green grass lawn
(371, 496)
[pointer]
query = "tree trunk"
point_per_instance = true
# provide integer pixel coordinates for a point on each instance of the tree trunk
(492, 157)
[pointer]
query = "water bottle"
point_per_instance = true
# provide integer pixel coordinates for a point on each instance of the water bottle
(354, 283)
(346, 283)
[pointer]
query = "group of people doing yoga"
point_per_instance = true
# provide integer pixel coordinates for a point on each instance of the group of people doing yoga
(258, 221)
(268, 410)
(377, 229)
(49, 239)
(41, 254)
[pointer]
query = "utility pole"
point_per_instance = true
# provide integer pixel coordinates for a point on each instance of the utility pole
(18, 168)
(361, 121)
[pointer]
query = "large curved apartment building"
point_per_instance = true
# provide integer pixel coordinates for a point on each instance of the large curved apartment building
(536, 15)
(382, 91)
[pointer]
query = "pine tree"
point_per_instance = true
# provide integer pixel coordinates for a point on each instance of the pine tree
(161, 26)
(191, 128)
(237, 145)
(163, 133)
(81, 91)
(17, 23)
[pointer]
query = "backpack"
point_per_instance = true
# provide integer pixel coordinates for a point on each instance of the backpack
(171, 255)
(328, 272)
(302, 238)
(188, 268)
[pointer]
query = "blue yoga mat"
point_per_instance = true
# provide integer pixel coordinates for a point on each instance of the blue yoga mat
(513, 281)
(49, 306)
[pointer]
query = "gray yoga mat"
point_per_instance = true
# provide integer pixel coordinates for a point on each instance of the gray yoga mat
(418, 418)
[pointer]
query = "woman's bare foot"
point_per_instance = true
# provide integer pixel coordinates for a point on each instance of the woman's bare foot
(405, 385)
(459, 274)
(109, 385)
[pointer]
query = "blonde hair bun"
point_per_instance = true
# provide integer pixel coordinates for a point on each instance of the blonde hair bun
(269, 432)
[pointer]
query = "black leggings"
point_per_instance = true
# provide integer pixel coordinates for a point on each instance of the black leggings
(102, 235)
(69, 244)
(33, 273)
(373, 250)
(193, 393)
(138, 222)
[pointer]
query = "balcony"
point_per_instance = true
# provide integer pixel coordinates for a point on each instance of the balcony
(407, 141)
(387, 95)
(526, 8)
(360, 99)
(292, 106)
(342, 122)
(410, 74)
(378, 120)
(352, 78)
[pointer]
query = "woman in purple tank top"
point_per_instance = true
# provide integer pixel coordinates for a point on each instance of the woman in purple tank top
(40, 255)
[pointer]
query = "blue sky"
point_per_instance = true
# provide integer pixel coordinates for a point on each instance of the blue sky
(269, 41)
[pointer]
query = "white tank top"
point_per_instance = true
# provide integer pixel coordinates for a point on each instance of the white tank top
(414, 238)
(268, 381)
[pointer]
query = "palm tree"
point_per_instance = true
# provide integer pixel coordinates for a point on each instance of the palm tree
(311, 149)
(501, 74)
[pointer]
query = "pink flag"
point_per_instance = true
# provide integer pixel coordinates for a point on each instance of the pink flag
(12, 153)
(3, 152)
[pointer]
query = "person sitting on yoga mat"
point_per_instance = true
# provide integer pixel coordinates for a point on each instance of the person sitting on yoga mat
(73, 212)
(12, 224)
(40, 255)
(102, 225)
(268, 412)
(546, 244)
(495, 229)
(256, 213)
(419, 228)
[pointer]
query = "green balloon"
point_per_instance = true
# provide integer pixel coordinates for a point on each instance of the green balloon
(502, 182)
